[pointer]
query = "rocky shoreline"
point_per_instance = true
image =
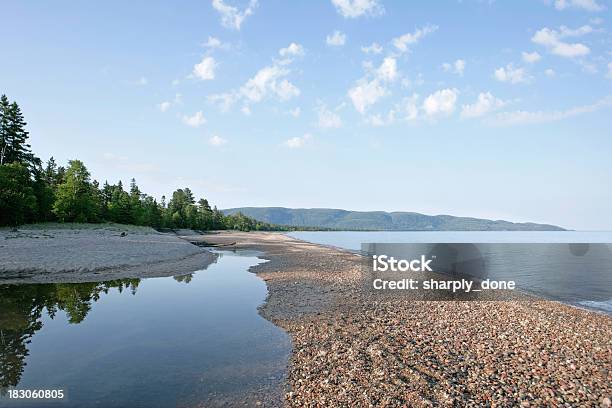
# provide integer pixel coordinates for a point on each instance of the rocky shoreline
(351, 348)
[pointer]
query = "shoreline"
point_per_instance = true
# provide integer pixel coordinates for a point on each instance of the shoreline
(352, 348)
(73, 253)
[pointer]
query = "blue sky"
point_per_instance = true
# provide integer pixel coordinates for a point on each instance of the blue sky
(472, 108)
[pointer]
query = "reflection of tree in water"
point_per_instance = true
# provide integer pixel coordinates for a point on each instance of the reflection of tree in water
(183, 278)
(21, 310)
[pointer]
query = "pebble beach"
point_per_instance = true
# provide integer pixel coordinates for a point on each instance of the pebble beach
(351, 348)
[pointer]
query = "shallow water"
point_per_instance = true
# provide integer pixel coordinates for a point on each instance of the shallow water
(194, 340)
(545, 263)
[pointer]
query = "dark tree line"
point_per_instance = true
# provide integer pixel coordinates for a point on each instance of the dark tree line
(31, 191)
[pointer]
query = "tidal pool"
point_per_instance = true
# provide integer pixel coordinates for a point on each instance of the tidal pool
(188, 341)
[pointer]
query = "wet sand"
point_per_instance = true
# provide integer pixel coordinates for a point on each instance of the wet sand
(351, 348)
(94, 252)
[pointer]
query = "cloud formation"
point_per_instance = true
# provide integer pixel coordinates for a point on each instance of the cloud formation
(441, 102)
(205, 70)
(511, 74)
(336, 39)
(588, 5)
(297, 142)
(232, 17)
(358, 8)
(403, 42)
(196, 120)
(457, 67)
(328, 119)
(552, 40)
(526, 117)
(216, 141)
(484, 104)
(269, 81)
(531, 57)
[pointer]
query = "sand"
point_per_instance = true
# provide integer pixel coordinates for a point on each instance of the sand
(94, 252)
(351, 348)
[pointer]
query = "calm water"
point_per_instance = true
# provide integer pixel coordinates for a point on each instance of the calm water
(195, 340)
(545, 264)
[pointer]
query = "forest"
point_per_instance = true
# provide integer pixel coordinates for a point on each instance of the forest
(32, 191)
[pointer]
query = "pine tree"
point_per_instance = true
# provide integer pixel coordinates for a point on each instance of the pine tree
(13, 136)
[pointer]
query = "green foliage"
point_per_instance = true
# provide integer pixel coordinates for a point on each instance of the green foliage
(76, 198)
(13, 136)
(17, 199)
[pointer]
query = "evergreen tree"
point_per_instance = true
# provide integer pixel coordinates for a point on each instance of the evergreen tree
(13, 135)
(17, 199)
(75, 200)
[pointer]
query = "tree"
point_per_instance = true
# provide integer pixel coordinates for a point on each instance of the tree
(75, 200)
(45, 195)
(13, 135)
(17, 199)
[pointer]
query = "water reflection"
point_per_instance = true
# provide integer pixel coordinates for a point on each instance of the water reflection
(22, 308)
(184, 341)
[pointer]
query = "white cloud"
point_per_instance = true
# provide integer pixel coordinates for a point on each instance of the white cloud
(552, 40)
(366, 93)
(217, 141)
(232, 17)
(336, 39)
(373, 48)
(531, 57)
(387, 70)
(511, 74)
(205, 70)
(298, 142)
(327, 118)
(485, 103)
(296, 112)
(357, 8)
(369, 89)
(457, 67)
(406, 110)
(550, 72)
(588, 5)
(441, 102)
(213, 42)
(164, 106)
(194, 121)
(268, 81)
(526, 117)
(293, 50)
(285, 90)
(609, 74)
(403, 42)
(223, 100)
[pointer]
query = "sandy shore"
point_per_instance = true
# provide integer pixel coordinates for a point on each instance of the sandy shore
(354, 349)
(94, 252)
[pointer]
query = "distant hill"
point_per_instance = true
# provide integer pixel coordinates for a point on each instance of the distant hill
(380, 220)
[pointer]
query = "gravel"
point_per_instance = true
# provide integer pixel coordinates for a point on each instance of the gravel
(354, 348)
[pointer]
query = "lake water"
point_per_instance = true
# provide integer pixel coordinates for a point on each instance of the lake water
(194, 340)
(570, 266)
